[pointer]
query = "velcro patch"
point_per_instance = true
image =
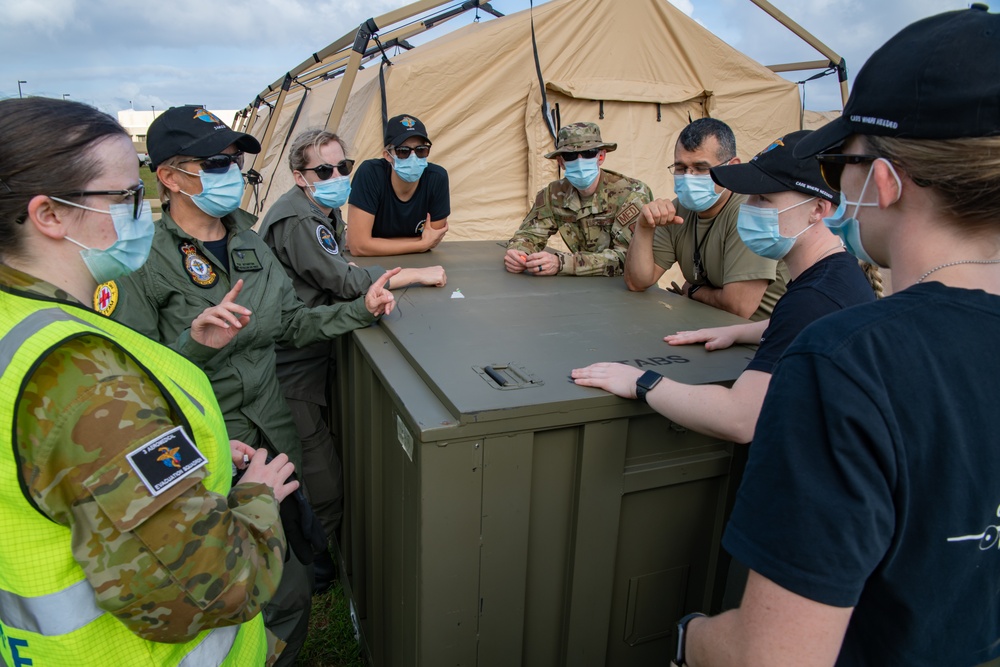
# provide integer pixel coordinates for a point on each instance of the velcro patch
(245, 259)
(166, 460)
(628, 214)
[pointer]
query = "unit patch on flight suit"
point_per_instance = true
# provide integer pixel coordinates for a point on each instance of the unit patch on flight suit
(200, 269)
(326, 240)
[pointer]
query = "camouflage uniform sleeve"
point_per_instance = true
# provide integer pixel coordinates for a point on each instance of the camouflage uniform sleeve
(167, 566)
(537, 227)
(611, 261)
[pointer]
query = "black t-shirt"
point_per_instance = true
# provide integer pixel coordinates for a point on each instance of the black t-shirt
(872, 479)
(831, 284)
(371, 191)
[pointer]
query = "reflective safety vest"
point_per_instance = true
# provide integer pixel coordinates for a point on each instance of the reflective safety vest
(48, 613)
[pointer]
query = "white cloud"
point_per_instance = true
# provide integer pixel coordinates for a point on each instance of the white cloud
(222, 53)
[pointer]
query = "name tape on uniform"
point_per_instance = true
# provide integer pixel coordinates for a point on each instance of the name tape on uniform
(166, 460)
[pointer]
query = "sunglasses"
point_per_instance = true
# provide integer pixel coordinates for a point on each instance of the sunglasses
(217, 164)
(831, 165)
(403, 152)
(136, 194)
(325, 171)
(588, 154)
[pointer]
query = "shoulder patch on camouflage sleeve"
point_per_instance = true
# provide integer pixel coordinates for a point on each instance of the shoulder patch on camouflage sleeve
(166, 460)
(628, 214)
(106, 298)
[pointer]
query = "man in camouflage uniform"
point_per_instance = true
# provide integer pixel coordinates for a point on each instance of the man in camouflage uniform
(593, 209)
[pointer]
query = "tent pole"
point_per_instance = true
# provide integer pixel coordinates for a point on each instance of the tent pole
(365, 32)
(389, 18)
(272, 121)
(808, 38)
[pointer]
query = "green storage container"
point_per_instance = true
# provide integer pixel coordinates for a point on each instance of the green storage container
(496, 513)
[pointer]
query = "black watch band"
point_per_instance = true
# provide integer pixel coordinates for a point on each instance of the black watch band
(646, 382)
(693, 289)
(680, 655)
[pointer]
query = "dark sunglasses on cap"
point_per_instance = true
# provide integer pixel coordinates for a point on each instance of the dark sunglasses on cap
(217, 164)
(831, 165)
(325, 171)
(135, 194)
(588, 154)
(403, 152)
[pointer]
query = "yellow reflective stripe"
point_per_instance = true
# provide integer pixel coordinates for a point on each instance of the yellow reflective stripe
(72, 608)
(28, 327)
(54, 614)
(213, 650)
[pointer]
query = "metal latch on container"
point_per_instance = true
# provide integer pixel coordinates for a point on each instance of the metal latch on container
(507, 376)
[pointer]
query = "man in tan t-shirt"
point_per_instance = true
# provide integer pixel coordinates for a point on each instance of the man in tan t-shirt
(698, 230)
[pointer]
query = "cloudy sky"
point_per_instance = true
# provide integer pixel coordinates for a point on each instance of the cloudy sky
(221, 53)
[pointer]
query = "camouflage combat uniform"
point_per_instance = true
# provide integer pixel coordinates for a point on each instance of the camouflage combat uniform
(173, 564)
(597, 229)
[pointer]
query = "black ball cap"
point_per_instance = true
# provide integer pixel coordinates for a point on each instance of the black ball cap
(935, 79)
(401, 128)
(776, 169)
(193, 131)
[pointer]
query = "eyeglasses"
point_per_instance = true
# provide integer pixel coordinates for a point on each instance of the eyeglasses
(588, 154)
(136, 194)
(403, 152)
(678, 169)
(217, 164)
(831, 165)
(325, 171)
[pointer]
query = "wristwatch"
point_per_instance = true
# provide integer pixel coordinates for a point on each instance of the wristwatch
(680, 655)
(693, 289)
(646, 381)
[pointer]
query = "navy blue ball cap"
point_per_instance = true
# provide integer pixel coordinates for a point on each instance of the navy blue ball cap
(400, 128)
(776, 169)
(193, 131)
(935, 79)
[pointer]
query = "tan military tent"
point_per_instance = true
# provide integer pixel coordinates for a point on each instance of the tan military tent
(639, 68)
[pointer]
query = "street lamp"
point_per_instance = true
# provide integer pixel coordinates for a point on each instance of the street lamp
(19, 82)
(153, 107)
(65, 95)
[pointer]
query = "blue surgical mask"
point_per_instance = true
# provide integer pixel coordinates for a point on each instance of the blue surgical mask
(847, 229)
(333, 192)
(220, 193)
(128, 252)
(411, 168)
(696, 193)
(582, 172)
(758, 227)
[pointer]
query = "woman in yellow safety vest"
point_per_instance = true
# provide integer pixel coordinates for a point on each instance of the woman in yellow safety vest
(121, 541)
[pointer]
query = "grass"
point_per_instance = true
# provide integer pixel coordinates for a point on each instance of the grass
(149, 182)
(330, 642)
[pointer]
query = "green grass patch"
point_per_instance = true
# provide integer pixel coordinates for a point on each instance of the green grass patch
(330, 642)
(148, 181)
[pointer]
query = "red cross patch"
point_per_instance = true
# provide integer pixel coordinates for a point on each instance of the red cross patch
(106, 298)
